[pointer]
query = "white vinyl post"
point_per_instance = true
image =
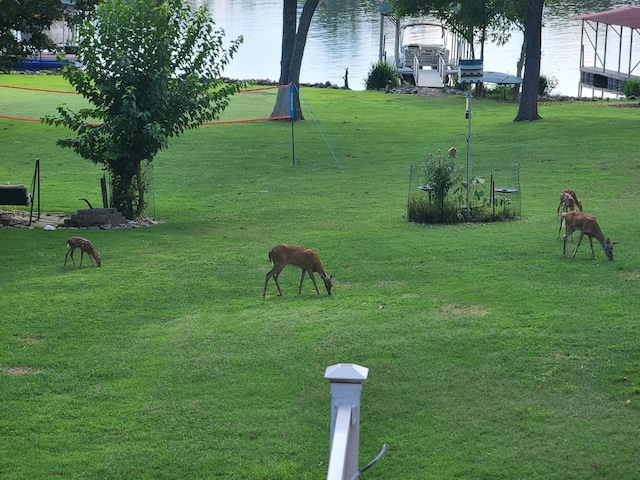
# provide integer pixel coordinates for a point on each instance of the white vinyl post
(346, 385)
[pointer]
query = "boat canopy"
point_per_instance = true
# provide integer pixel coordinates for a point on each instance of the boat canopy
(624, 17)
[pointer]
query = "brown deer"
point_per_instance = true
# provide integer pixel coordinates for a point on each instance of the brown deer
(85, 246)
(283, 255)
(587, 225)
(569, 201)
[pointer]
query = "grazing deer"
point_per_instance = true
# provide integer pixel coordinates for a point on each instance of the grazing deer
(587, 225)
(85, 246)
(283, 255)
(569, 201)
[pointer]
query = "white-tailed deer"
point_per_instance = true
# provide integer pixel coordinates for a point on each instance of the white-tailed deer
(587, 225)
(283, 255)
(85, 246)
(569, 201)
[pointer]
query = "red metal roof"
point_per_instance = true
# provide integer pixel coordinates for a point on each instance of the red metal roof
(625, 17)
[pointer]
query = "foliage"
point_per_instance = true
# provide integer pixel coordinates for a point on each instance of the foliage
(166, 363)
(32, 19)
(631, 88)
(473, 20)
(546, 85)
(151, 71)
(440, 174)
(422, 209)
(381, 75)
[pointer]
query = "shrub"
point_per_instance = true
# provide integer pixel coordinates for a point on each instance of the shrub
(546, 84)
(440, 174)
(422, 210)
(381, 75)
(631, 88)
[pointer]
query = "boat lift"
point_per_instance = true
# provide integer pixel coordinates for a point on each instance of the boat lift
(596, 71)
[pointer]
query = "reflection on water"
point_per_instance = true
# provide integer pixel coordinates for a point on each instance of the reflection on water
(343, 35)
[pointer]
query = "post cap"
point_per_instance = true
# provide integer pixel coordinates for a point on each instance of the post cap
(346, 373)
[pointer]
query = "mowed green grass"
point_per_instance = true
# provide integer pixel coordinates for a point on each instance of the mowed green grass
(490, 354)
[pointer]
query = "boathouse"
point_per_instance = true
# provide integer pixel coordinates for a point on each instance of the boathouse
(608, 56)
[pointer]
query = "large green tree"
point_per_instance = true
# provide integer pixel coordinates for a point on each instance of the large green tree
(294, 40)
(151, 70)
(23, 28)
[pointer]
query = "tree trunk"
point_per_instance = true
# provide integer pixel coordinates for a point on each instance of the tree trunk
(141, 188)
(122, 194)
(528, 110)
(519, 68)
(292, 52)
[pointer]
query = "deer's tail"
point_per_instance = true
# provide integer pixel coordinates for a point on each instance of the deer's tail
(562, 220)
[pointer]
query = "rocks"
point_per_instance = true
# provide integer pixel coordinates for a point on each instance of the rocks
(94, 219)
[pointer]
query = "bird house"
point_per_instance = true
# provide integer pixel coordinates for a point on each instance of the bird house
(453, 152)
(470, 71)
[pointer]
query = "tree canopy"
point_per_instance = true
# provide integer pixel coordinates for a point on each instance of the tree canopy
(151, 71)
(32, 20)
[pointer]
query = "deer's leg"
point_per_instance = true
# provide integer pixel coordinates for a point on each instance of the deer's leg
(579, 242)
(560, 229)
(568, 232)
(274, 272)
(275, 279)
(593, 254)
(313, 278)
(70, 253)
(301, 279)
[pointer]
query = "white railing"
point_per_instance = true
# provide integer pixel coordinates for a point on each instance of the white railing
(346, 384)
(416, 68)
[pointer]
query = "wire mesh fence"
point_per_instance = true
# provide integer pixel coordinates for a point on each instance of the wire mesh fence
(494, 194)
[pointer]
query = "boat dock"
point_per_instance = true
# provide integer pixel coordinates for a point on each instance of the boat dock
(429, 78)
(600, 55)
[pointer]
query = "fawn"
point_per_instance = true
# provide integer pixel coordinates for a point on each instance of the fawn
(85, 246)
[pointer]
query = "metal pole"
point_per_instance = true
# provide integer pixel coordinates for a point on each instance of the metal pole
(381, 51)
(468, 115)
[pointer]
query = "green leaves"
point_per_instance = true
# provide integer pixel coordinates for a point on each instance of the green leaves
(151, 70)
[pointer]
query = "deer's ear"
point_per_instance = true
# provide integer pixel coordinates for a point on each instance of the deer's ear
(332, 275)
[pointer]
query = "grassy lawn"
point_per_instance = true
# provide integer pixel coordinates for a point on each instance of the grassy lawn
(490, 355)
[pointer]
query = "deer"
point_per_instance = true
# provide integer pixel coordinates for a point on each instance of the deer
(85, 246)
(304, 258)
(569, 201)
(587, 225)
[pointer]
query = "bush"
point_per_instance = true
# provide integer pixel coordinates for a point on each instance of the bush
(381, 75)
(546, 85)
(422, 210)
(439, 174)
(631, 88)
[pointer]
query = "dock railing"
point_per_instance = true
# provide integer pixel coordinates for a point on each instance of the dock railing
(346, 384)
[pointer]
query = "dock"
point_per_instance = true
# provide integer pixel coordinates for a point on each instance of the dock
(429, 78)
(604, 67)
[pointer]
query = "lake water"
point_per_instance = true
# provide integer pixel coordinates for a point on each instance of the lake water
(344, 36)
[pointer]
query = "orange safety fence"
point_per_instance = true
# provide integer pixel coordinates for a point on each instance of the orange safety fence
(263, 90)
